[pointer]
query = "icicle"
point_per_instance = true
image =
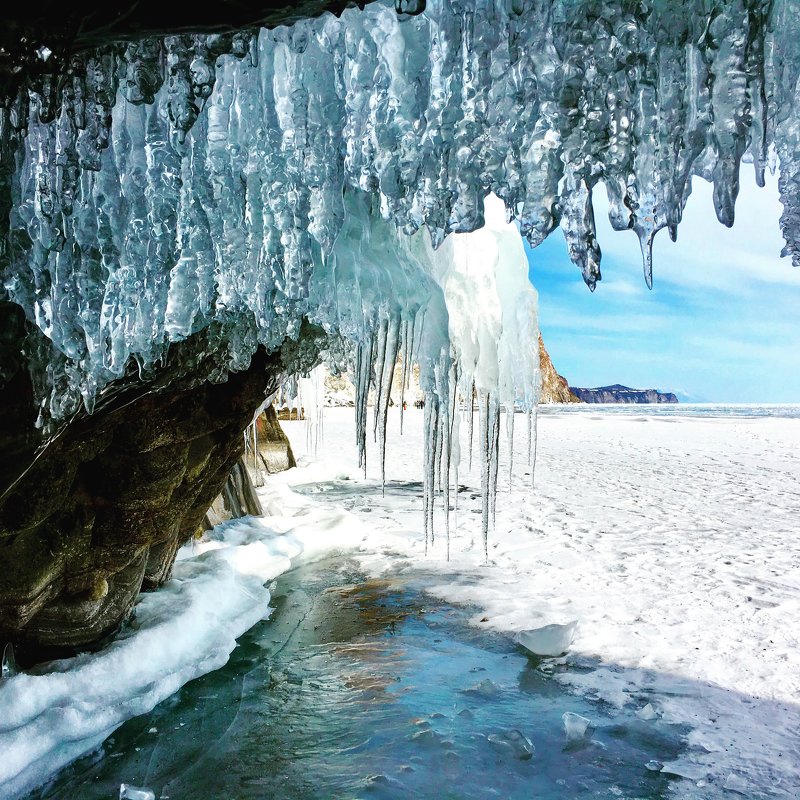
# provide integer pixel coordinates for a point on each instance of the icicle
(455, 460)
(406, 355)
(379, 359)
(438, 452)
(254, 433)
(483, 443)
(471, 404)
(429, 476)
(8, 667)
(451, 447)
(494, 452)
(510, 442)
(383, 391)
(532, 460)
(363, 369)
(529, 416)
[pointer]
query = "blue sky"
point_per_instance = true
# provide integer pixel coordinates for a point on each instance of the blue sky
(721, 324)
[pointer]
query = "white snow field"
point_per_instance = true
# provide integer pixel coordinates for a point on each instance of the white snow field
(670, 535)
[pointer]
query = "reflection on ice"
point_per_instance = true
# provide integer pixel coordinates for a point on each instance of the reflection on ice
(514, 742)
(127, 792)
(381, 711)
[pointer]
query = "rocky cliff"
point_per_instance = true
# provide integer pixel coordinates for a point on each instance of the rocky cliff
(555, 388)
(622, 394)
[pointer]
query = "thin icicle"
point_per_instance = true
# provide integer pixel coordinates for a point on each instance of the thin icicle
(383, 390)
(529, 415)
(494, 452)
(455, 460)
(471, 404)
(363, 370)
(510, 441)
(535, 440)
(379, 357)
(429, 476)
(406, 355)
(483, 443)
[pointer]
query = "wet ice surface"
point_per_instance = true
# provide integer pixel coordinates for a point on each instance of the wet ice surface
(668, 532)
(371, 688)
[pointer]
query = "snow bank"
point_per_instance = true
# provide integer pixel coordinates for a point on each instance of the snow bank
(186, 629)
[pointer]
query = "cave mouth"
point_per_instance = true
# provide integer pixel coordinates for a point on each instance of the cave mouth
(190, 218)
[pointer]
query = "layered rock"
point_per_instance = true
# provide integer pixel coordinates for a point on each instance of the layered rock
(100, 510)
(555, 387)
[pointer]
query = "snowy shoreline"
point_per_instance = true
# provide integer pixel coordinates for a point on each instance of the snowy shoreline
(670, 540)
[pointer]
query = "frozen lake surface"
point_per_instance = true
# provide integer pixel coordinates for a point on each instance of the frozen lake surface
(668, 534)
(358, 688)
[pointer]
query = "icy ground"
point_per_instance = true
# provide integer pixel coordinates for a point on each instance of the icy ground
(671, 538)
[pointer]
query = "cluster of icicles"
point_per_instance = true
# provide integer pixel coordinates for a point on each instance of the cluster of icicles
(201, 182)
(471, 333)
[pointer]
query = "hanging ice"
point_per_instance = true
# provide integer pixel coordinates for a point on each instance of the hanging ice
(201, 182)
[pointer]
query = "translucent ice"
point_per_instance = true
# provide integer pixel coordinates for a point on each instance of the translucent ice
(549, 640)
(514, 742)
(485, 688)
(152, 189)
(128, 792)
(8, 664)
(647, 712)
(576, 727)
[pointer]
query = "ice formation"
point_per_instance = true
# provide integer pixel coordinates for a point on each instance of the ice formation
(549, 640)
(238, 184)
(576, 727)
(128, 792)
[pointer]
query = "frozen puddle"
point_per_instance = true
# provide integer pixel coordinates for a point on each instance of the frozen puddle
(372, 689)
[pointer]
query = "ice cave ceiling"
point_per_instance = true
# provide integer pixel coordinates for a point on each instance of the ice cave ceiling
(152, 186)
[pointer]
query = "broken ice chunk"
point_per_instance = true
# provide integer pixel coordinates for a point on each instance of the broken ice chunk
(128, 792)
(484, 688)
(647, 712)
(575, 726)
(736, 783)
(654, 766)
(551, 640)
(515, 742)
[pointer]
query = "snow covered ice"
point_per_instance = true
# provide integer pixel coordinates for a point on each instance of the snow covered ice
(549, 640)
(189, 627)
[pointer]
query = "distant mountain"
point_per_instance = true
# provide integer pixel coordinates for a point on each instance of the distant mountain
(622, 394)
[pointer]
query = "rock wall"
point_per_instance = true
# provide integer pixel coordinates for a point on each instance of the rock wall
(98, 513)
(272, 453)
(555, 388)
